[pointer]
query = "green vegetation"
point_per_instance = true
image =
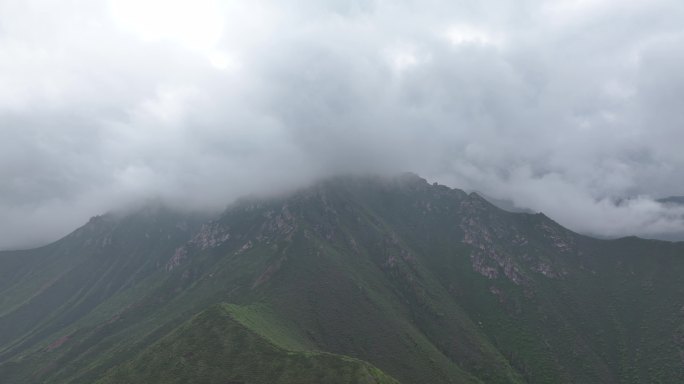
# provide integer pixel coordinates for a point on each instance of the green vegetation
(215, 348)
(426, 283)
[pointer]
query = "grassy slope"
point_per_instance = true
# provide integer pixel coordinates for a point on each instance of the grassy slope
(379, 271)
(69, 292)
(217, 346)
(604, 311)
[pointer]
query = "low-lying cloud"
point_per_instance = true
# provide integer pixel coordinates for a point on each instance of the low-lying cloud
(572, 108)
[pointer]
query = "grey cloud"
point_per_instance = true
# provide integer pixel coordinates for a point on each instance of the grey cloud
(565, 107)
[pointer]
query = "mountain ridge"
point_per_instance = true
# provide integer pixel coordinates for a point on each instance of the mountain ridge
(387, 270)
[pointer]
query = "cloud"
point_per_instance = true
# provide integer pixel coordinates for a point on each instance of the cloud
(572, 108)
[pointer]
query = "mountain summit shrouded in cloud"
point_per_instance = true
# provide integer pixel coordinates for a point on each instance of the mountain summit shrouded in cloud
(564, 107)
(351, 280)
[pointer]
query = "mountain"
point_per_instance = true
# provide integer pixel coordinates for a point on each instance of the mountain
(356, 279)
(672, 200)
(218, 344)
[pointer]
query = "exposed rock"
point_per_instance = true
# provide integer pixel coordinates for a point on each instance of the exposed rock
(546, 270)
(560, 238)
(178, 256)
(487, 257)
(284, 223)
(245, 247)
(209, 236)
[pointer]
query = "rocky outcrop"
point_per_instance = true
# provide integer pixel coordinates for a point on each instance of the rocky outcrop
(211, 235)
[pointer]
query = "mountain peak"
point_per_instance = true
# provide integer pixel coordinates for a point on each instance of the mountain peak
(425, 282)
(410, 177)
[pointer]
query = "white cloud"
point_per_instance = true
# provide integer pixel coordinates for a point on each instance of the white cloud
(196, 24)
(566, 107)
(471, 35)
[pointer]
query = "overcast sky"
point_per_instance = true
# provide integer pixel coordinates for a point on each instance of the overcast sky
(565, 107)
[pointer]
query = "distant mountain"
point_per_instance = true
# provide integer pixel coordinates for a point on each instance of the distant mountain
(674, 200)
(352, 280)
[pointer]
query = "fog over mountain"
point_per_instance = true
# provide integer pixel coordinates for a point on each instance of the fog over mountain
(572, 108)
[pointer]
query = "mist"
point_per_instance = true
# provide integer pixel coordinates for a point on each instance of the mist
(572, 108)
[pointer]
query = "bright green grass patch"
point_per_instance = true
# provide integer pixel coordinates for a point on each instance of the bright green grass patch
(261, 319)
(214, 347)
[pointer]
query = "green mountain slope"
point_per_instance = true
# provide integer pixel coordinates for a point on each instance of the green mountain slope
(427, 283)
(44, 290)
(215, 347)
